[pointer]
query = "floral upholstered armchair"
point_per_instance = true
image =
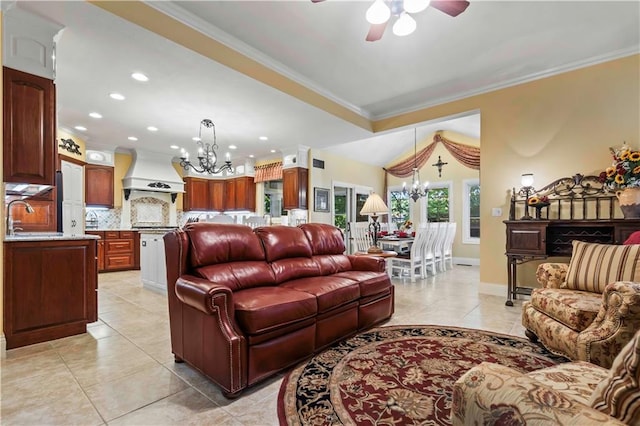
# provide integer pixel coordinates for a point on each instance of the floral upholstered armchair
(573, 393)
(589, 309)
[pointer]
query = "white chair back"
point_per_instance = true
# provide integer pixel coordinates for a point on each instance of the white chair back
(360, 237)
(222, 218)
(254, 221)
(447, 247)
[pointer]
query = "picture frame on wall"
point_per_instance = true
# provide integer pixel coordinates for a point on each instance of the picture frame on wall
(321, 200)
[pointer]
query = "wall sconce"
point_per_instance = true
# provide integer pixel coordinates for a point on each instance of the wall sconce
(439, 165)
(527, 189)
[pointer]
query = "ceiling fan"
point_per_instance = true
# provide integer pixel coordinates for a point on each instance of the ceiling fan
(380, 12)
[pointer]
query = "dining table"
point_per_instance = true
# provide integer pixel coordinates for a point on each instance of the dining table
(396, 243)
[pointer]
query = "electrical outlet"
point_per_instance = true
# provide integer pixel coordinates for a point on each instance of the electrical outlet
(496, 211)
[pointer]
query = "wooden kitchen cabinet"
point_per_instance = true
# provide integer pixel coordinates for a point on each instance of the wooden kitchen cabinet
(29, 147)
(100, 249)
(119, 250)
(230, 194)
(245, 193)
(43, 219)
(50, 289)
(216, 195)
(98, 185)
(196, 196)
(294, 188)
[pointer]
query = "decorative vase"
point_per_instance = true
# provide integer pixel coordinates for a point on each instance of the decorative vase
(629, 200)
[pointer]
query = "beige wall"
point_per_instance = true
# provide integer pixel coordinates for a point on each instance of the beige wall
(338, 169)
(121, 165)
(553, 127)
(453, 172)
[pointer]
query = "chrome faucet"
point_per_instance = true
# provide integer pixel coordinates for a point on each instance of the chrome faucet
(10, 229)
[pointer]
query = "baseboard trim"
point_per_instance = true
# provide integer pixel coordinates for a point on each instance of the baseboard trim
(466, 261)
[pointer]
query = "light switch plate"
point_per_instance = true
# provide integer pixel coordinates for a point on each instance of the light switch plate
(496, 211)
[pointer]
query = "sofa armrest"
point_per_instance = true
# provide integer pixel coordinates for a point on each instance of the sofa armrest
(204, 295)
(367, 263)
(616, 323)
(551, 275)
(495, 394)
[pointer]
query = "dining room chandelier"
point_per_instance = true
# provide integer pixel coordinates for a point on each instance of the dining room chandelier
(417, 191)
(207, 156)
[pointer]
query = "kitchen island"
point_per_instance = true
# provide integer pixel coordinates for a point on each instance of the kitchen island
(50, 289)
(153, 269)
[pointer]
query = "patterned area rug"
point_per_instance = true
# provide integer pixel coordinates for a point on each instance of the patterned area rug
(400, 375)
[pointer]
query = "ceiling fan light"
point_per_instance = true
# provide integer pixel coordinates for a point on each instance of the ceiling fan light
(415, 6)
(378, 12)
(405, 25)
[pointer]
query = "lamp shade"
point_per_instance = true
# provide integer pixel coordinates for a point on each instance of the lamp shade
(527, 179)
(374, 206)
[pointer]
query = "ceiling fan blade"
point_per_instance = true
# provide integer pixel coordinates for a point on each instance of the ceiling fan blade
(316, 1)
(450, 7)
(376, 31)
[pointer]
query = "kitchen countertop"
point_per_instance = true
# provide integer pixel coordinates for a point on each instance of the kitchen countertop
(46, 236)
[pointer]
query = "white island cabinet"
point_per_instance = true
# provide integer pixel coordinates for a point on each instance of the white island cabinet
(153, 270)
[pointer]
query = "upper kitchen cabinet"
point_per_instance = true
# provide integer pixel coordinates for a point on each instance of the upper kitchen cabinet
(196, 195)
(29, 146)
(216, 195)
(98, 186)
(245, 193)
(294, 188)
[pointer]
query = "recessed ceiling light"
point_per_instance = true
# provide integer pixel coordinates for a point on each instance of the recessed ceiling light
(95, 115)
(152, 129)
(174, 147)
(132, 138)
(263, 138)
(233, 147)
(139, 76)
(273, 151)
(117, 96)
(195, 138)
(81, 128)
(251, 155)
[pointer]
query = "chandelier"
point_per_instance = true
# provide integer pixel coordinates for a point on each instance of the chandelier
(417, 191)
(207, 156)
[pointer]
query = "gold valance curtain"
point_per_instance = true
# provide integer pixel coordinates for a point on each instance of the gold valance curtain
(266, 172)
(466, 154)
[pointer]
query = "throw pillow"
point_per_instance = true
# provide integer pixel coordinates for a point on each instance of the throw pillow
(619, 394)
(593, 266)
(633, 238)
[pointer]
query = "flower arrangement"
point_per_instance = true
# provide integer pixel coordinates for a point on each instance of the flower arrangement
(534, 201)
(406, 225)
(625, 170)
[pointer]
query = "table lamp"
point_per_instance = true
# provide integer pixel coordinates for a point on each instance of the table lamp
(374, 206)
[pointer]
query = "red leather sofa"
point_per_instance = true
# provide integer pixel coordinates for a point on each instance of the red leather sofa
(245, 304)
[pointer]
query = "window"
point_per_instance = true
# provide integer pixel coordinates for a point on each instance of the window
(438, 203)
(471, 211)
(399, 207)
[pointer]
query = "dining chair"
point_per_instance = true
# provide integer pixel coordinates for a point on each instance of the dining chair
(447, 247)
(413, 261)
(429, 253)
(360, 236)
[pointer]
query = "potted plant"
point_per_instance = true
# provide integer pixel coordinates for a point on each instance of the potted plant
(623, 176)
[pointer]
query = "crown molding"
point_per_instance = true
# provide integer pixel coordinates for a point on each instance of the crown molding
(185, 17)
(617, 54)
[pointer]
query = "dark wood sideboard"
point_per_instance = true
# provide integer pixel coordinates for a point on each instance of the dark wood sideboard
(577, 208)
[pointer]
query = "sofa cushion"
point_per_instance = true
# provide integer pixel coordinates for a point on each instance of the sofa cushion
(573, 308)
(619, 394)
(576, 379)
(238, 275)
(282, 242)
(331, 291)
(324, 239)
(213, 243)
(593, 266)
(291, 269)
(263, 309)
(371, 283)
(332, 263)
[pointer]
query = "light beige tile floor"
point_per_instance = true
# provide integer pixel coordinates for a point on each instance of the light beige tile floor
(122, 372)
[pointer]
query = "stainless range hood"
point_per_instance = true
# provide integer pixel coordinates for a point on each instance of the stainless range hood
(151, 171)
